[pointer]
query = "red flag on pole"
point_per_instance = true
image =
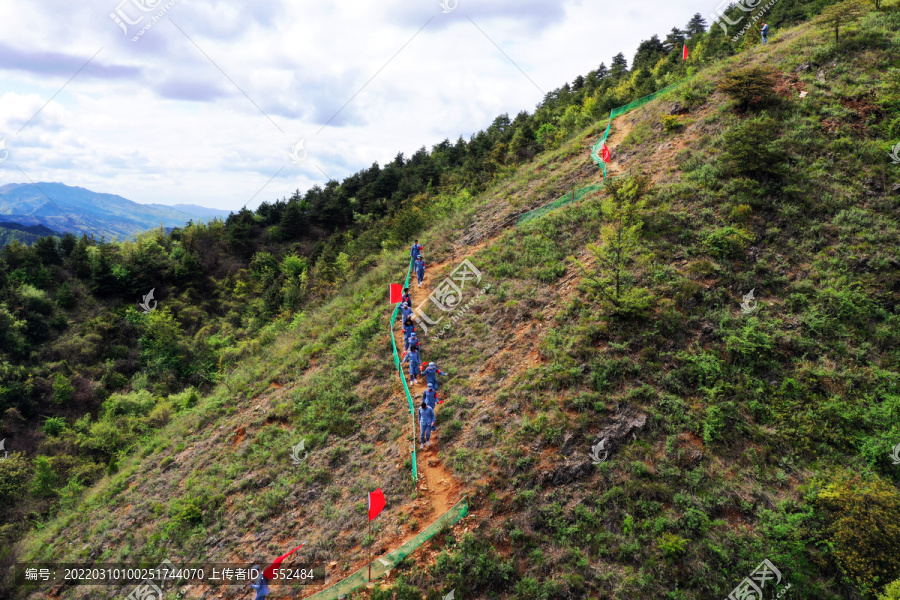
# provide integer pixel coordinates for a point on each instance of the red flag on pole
(395, 292)
(376, 503)
(269, 573)
(684, 55)
(606, 154)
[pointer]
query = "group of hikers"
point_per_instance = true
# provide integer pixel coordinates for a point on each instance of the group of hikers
(412, 354)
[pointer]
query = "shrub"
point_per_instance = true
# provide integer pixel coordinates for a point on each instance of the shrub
(863, 517)
(63, 390)
(891, 591)
(752, 148)
(727, 242)
(43, 484)
(14, 473)
(751, 87)
(671, 123)
(671, 545)
(53, 426)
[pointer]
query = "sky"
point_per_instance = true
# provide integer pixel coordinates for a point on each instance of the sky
(229, 104)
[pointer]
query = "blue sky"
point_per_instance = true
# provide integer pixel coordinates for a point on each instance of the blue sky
(206, 105)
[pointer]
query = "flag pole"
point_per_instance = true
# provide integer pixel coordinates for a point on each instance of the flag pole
(371, 541)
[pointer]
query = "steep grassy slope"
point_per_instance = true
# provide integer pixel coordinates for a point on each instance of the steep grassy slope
(731, 437)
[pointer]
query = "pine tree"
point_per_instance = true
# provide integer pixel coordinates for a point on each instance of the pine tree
(619, 66)
(619, 252)
(696, 25)
(648, 53)
(291, 225)
(674, 40)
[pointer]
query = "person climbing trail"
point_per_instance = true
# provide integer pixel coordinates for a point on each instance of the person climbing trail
(261, 586)
(406, 298)
(416, 250)
(419, 267)
(429, 397)
(431, 372)
(765, 33)
(415, 361)
(426, 424)
(412, 342)
(409, 328)
(405, 311)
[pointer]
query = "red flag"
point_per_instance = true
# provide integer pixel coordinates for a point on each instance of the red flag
(395, 292)
(685, 53)
(269, 572)
(376, 503)
(606, 154)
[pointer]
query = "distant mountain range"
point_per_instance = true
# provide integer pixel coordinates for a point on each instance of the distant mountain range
(64, 208)
(26, 234)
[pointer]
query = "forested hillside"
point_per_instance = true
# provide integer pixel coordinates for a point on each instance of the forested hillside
(736, 428)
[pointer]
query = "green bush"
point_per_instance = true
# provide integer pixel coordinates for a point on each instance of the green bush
(863, 527)
(671, 545)
(753, 149)
(63, 390)
(727, 242)
(53, 426)
(43, 483)
(671, 123)
(751, 87)
(891, 591)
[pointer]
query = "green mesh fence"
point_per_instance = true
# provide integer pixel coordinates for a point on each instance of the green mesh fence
(596, 151)
(567, 199)
(412, 408)
(597, 148)
(388, 561)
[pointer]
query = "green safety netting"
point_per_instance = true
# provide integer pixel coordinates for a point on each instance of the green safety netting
(386, 562)
(567, 199)
(412, 408)
(597, 148)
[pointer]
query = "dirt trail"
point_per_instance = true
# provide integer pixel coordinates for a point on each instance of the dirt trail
(620, 129)
(435, 482)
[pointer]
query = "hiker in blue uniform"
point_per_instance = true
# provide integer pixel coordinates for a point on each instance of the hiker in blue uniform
(429, 397)
(431, 372)
(261, 586)
(419, 268)
(426, 423)
(416, 250)
(412, 342)
(409, 328)
(412, 356)
(765, 32)
(406, 298)
(405, 311)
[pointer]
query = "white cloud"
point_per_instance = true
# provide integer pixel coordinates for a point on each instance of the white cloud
(158, 121)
